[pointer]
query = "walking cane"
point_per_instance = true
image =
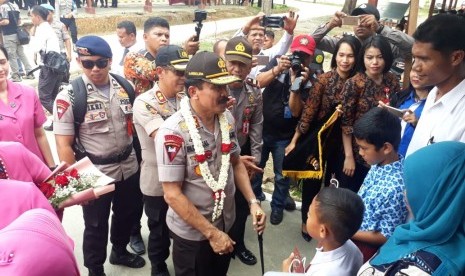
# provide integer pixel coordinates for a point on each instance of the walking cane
(259, 215)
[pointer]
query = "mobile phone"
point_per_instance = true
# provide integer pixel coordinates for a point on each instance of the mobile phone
(351, 20)
(398, 112)
(273, 21)
(262, 59)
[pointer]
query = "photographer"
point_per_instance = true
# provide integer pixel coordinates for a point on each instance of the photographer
(287, 81)
(255, 34)
(400, 42)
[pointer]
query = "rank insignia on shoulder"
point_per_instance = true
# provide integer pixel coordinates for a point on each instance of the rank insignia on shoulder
(161, 99)
(89, 87)
(252, 82)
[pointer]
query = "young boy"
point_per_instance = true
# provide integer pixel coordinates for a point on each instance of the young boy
(377, 134)
(333, 217)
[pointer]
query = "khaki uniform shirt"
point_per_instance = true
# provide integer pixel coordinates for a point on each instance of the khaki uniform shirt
(151, 109)
(104, 132)
(248, 116)
(177, 163)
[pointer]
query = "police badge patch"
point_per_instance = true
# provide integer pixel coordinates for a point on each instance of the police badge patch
(172, 145)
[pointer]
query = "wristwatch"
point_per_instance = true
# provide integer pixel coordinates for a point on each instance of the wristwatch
(254, 200)
(380, 29)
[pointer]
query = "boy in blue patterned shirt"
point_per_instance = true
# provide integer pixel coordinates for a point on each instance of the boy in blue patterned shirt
(377, 134)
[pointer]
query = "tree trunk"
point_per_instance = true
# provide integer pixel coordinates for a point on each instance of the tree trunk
(349, 5)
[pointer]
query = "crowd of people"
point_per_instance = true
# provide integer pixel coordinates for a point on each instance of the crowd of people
(186, 135)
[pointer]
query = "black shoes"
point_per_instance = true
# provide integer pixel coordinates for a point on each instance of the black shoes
(96, 272)
(126, 259)
(306, 236)
(276, 217)
(159, 270)
(289, 204)
(137, 244)
(246, 257)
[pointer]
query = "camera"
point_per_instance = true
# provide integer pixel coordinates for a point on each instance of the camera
(297, 59)
(273, 21)
(200, 15)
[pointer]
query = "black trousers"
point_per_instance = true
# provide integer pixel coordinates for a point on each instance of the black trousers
(49, 83)
(242, 211)
(135, 230)
(123, 203)
(70, 24)
(197, 258)
(159, 237)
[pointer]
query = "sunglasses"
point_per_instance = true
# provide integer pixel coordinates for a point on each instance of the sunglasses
(100, 63)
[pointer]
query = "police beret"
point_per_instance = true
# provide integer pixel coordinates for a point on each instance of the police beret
(238, 49)
(48, 7)
(92, 45)
(209, 67)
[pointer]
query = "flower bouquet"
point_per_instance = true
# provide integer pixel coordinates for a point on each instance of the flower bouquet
(75, 184)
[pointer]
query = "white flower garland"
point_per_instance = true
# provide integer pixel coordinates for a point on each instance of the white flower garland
(216, 186)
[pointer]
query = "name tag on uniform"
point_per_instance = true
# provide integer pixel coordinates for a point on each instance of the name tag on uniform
(95, 112)
(125, 105)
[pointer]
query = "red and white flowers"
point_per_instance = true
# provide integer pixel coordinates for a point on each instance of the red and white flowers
(217, 186)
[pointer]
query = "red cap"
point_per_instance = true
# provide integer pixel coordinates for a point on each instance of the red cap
(303, 43)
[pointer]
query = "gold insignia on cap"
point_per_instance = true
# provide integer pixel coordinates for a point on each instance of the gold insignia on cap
(83, 51)
(319, 58)
(183, 54)
(221, 64)
(303, 41)
(240, 47)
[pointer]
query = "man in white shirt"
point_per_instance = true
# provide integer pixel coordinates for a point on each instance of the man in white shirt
(127, 37)
(45, 40)
(439, 55)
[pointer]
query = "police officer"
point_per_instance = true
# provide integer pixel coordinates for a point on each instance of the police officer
(150, 110)
(248, 115)
(107, 140)
(199, 168)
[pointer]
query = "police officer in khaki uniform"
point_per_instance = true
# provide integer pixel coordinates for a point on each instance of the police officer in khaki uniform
(150, 110)
(199, 168)
(107, 140)
(248, 115)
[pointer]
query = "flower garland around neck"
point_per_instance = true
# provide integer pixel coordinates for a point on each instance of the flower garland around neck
(217, 186)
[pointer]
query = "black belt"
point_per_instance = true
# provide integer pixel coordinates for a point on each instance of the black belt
(112, 159)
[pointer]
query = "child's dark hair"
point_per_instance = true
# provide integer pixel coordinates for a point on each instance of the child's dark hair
(378, 126)
(340, 209)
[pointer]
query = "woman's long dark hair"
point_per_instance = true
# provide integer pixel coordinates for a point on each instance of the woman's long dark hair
(355, 44)
(384, 47)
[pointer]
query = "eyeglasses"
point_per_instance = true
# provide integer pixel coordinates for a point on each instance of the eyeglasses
(100, 63)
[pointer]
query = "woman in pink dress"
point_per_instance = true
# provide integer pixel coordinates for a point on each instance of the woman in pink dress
(18, 163)
(21, 114)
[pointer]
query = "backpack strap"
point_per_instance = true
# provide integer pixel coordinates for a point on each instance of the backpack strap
(126, 85)
(79, 105)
